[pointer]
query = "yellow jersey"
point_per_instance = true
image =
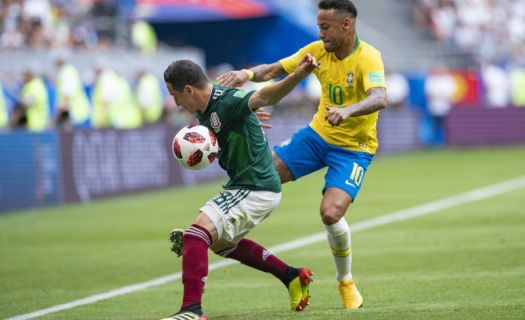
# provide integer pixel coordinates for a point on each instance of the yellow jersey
(344, 83)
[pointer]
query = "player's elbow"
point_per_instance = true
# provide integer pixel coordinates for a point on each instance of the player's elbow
(382, 100)
(383, 103)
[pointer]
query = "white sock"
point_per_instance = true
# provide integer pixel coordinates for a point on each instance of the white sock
(341, 244)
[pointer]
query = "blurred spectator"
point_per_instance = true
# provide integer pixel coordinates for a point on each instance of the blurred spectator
(4, 116)
(143, 36)
(11, 33)
(37, 23)
(36, 35)
(72, 101)
(497, 85)
(38, 10)
(149, 96)
(104, 14)
(128, 115)
(105, 97)
(60, 31)
(398, 89)
(443, 19)
(440, 88)
(34, 100)
(113, 102)
(517, 79)
(83, 36)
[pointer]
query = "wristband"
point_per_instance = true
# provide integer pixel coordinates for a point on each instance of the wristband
(250, 74)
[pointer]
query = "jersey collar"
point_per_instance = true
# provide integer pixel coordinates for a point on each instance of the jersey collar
(357, 43)
(209, 101)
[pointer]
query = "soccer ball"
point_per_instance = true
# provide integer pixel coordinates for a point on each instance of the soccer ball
(195, 147)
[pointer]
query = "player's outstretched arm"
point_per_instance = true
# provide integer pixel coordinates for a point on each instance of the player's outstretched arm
(375, 101)
(260, 73)
(273, 93)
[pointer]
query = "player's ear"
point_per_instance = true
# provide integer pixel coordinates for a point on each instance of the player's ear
(348, 23)
(188, 89)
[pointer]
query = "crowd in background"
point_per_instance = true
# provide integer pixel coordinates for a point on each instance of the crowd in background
(492, 33)
(74, 24)
(44, 24)
(491, 30)
(65, 98)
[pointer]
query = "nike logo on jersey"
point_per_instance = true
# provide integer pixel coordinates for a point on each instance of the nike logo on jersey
(350, 184)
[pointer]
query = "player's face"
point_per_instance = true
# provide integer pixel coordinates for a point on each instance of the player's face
(333, 29)
(183, 99)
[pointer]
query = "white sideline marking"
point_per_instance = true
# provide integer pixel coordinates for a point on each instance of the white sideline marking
(424, 209)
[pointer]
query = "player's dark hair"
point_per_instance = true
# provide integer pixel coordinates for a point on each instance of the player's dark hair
(185, 72)
(342, 5)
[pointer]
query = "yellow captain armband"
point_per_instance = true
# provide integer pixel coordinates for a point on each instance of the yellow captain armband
(249, 73)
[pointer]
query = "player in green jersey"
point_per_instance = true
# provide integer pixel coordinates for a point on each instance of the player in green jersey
(251, 194)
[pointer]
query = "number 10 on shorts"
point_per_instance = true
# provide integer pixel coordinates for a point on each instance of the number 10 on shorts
(357, 174)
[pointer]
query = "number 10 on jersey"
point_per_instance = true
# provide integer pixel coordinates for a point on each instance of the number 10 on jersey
(336, 94)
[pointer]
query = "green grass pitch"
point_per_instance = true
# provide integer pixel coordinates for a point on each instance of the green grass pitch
(465, 262)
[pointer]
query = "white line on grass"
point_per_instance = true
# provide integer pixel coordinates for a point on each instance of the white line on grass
(424, 209)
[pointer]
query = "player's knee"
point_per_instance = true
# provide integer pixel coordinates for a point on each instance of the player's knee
(332, 212)
(284, 175)
(204, 221)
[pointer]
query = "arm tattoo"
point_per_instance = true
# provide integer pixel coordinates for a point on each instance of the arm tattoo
(375, 101)
(265, 72)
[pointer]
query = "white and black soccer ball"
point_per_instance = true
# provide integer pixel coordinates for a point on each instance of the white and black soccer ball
(195, 147)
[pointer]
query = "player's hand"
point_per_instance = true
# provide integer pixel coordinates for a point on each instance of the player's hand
(335, 116)
(234, 78)
(264, 116)
(306, 65)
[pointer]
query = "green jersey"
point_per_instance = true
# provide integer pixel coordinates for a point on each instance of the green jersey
(244, 152)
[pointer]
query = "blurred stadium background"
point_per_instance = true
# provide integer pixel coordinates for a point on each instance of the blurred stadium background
(71, 229)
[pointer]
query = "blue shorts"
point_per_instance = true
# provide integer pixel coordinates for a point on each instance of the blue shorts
(307, 152)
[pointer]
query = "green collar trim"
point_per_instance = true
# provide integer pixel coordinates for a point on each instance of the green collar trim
(357, 43)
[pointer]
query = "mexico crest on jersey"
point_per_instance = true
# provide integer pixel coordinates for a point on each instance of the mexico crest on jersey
(215, 122)
(350, 78)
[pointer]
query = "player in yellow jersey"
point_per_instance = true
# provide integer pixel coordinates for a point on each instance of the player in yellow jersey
(342, 134)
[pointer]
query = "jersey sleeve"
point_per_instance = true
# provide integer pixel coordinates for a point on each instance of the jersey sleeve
(373, 71)
(237, 101)
(290, 63)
